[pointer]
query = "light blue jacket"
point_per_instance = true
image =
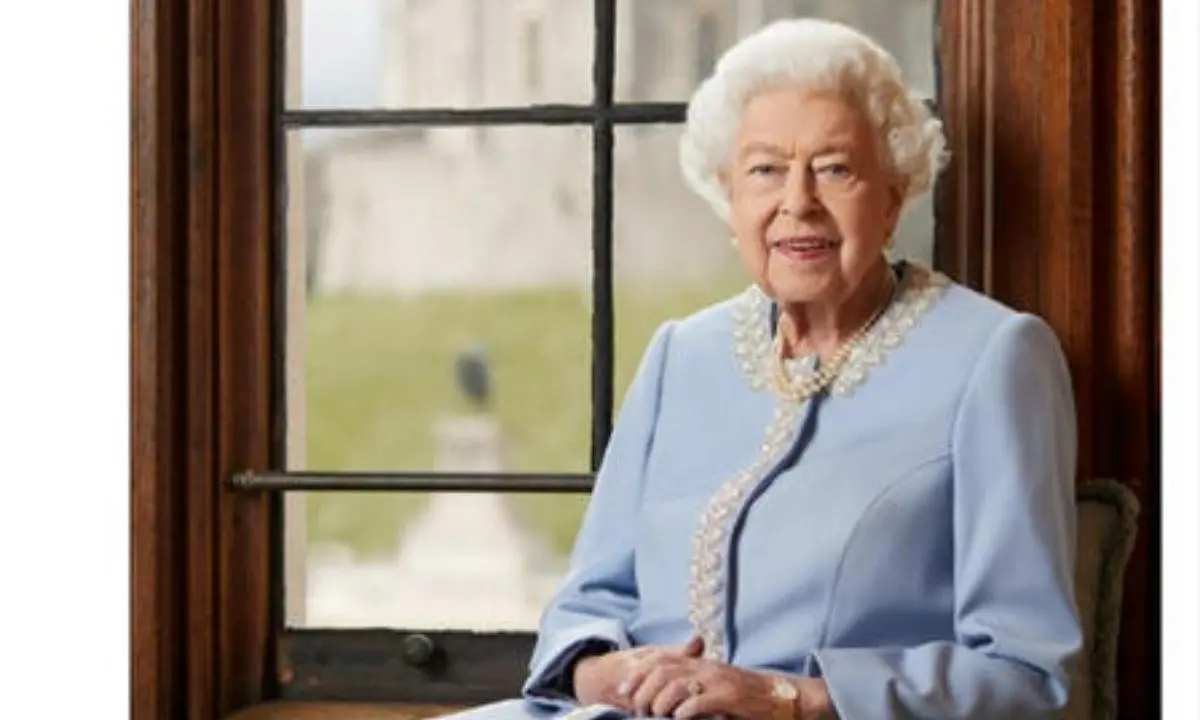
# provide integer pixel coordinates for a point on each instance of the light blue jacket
(909, 537)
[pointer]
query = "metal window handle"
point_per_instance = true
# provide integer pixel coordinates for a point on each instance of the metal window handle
(418, 650)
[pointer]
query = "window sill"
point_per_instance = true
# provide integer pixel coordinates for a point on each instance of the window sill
(342, 711)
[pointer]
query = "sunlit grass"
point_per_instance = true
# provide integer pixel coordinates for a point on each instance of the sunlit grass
(379, 375)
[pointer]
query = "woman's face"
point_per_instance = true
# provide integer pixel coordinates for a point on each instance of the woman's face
(812, 202)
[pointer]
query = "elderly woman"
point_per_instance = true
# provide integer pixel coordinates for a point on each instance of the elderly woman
(847, 492)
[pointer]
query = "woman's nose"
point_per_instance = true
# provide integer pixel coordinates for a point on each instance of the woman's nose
(799, 196)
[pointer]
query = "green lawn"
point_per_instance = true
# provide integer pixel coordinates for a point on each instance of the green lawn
(380, 373)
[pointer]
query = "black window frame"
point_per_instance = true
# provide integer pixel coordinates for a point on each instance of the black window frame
(459, 667)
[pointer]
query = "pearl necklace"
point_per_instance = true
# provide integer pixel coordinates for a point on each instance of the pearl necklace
(801, 389)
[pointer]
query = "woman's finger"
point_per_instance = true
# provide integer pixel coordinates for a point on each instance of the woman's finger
(635, 671)
(705, 703)
(639, 666)
(651, 686)
(674, 693)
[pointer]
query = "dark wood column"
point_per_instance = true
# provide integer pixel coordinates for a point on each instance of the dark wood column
(202, 310)
(1051, 205)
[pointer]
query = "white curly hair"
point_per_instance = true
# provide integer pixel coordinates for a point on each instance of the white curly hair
(818, 55)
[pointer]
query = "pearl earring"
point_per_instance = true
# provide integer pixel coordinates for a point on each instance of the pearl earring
(733, 241)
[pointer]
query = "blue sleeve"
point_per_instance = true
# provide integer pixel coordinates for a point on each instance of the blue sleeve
(1014, 454)
(598, 597)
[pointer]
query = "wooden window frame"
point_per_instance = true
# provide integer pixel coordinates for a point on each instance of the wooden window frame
(1050, 204)
(201, 605)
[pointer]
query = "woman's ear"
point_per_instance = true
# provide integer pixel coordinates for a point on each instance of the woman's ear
(725, 182)
(723, 178)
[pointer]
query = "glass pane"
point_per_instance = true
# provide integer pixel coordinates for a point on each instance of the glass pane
(438, 319)
(434, 255)
(438, 53)
(671, 254)
(480, 561)
(666, 47)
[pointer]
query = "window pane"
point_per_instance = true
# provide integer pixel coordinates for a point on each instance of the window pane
(480, 561)
(439, 53)
(431, 252)
(666, 47)
(671, 254)
(439, 318)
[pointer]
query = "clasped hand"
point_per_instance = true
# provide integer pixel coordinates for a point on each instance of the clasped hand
(673, 682)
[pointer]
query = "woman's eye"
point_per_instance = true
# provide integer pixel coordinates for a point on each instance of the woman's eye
(838, 171)
(763, 169)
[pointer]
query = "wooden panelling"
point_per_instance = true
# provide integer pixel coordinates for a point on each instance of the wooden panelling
(964, 208)
(200, 341)
(344, 711)
(202, 234)
(157, 206)
(1051, 207)
(244, 312)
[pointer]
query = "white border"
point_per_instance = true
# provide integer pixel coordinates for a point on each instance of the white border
(1181, 361)
(64, 358)
(64, 294)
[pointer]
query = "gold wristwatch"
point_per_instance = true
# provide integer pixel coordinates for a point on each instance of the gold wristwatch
(783, 698)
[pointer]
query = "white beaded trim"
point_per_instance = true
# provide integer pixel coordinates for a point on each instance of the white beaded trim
(752, 336)
(705, 594)
(920, 289)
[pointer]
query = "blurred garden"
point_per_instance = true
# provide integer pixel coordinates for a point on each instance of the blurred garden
(380, 374)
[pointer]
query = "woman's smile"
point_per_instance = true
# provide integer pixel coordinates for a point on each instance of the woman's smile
(806, 248)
